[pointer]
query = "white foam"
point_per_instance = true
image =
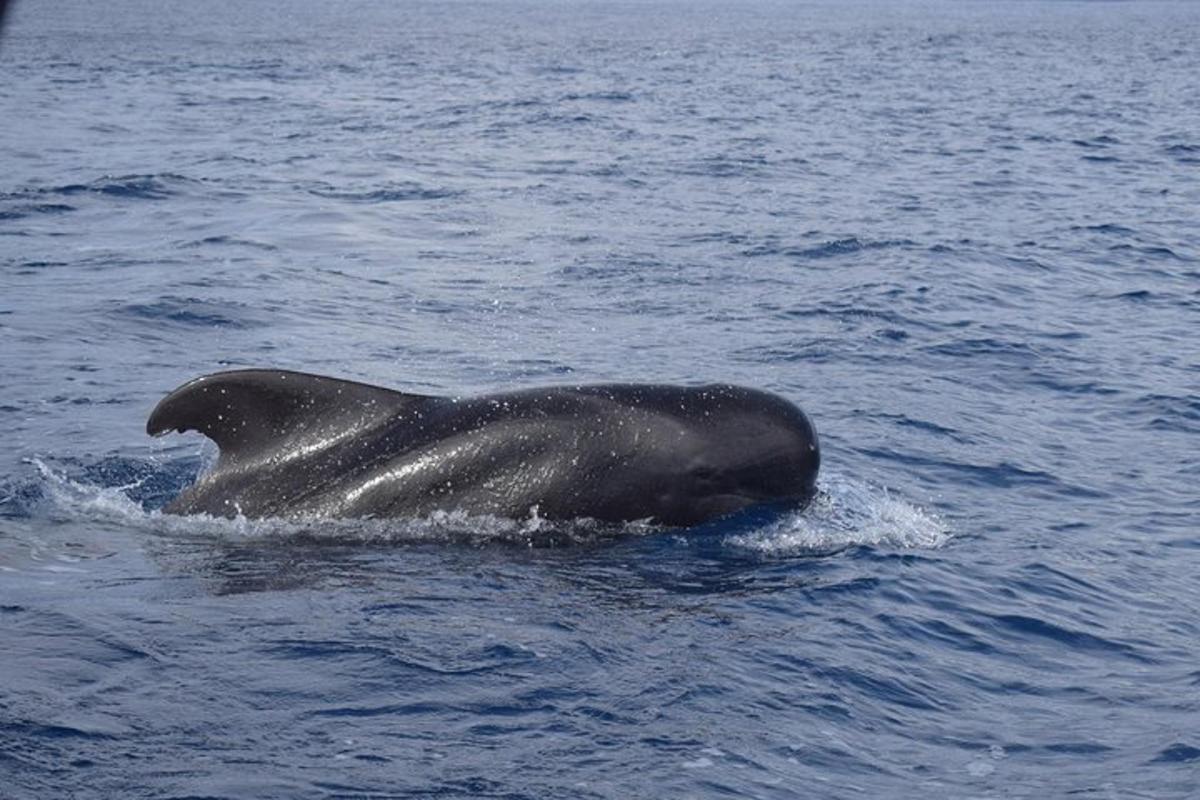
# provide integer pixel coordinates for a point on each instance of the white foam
(67, 499)
(844, 514)
(848, 513)
(73, 500)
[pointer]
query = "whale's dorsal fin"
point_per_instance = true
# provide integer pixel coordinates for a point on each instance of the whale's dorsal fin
(256, 412)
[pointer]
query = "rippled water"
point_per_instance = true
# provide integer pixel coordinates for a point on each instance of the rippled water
(962, 237)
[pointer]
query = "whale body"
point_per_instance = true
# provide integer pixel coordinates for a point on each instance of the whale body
(299, 445)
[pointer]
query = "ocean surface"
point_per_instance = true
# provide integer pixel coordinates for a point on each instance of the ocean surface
(964, 237)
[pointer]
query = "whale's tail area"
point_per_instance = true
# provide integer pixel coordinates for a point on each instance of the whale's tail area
(253, 414)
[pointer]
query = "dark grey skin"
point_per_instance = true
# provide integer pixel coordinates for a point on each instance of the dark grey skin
(298, 445)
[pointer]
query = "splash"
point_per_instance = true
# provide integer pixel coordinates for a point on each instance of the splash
(65, 496)
(847, 513)
(62, 497)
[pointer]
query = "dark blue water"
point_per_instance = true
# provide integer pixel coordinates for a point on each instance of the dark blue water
(963, 237)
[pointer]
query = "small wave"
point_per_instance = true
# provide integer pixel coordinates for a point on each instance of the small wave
(1158, 253)
(828, 249)
(1184, 153)
(1079, 640)
(725, 166)
(228, 241)
(1178, 413)
(556, 69)
(924, 425)
(1177, 753)
(1002, 474)
(610, 97)
(392, 194)
(1110, 228)
(1099, 141)
(22, 211)
(136, 187)
(984, 346)
(847, 513)
(189, 311)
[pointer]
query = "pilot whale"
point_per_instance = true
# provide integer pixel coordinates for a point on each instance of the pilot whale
(299, 445)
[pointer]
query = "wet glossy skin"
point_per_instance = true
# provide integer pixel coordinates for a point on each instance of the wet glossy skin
(302, 445)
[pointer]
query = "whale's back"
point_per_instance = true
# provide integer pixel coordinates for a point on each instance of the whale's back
(293, 444)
